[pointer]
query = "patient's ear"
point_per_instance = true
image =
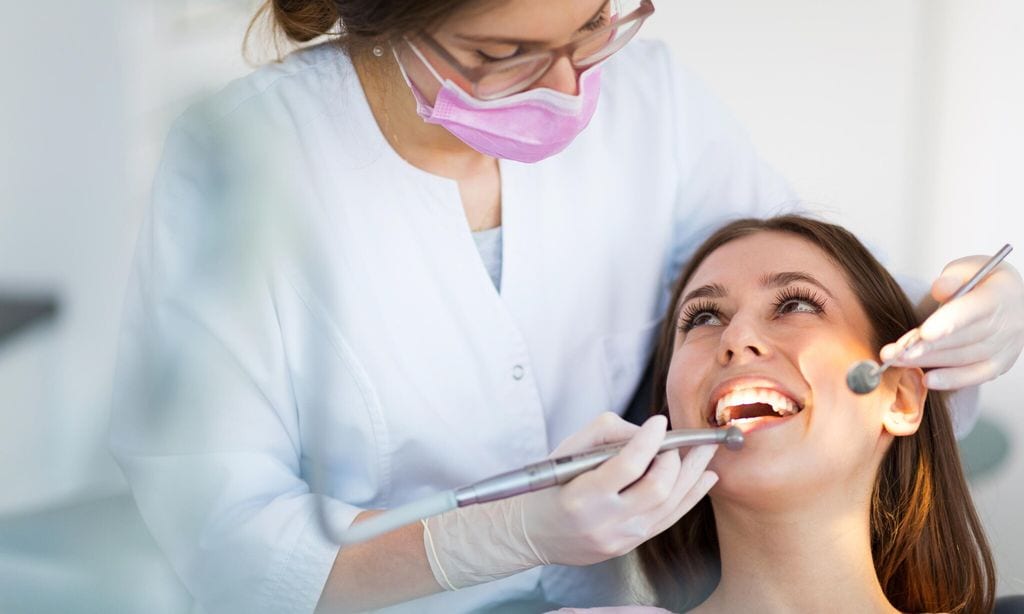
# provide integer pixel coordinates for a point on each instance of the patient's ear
(904, 414)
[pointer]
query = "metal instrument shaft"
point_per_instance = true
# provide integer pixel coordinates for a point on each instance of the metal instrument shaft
(555, 471)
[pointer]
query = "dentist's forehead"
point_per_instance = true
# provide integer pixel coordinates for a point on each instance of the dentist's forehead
(534, 20)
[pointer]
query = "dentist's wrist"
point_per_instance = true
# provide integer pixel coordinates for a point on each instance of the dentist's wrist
(479, 543)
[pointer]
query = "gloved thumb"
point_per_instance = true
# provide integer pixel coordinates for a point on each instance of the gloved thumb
(945, 286)
(954, 275)
(606, 428)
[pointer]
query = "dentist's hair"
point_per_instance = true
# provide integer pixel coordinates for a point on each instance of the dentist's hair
(928, 546)
(354, 24)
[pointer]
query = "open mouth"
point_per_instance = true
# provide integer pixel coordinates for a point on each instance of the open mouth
(750, 404)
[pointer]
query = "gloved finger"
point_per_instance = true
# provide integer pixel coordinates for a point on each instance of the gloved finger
(1003, 287)
(931, 355)
(632, 461)
(927, 357)
(946, 286)
(892, 349)
(957, 272)
(655, 486)
(690, 497)
(977, 306)
(954, 275)
(966, 333)
(606, 428)
(984, 331)
(955, 378)
(688, 470)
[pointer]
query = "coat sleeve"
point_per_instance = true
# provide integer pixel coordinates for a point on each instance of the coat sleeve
(204, 423)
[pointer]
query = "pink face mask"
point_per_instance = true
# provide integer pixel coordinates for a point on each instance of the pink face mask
(525, 127)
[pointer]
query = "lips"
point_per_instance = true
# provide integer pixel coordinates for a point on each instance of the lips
(747, 399)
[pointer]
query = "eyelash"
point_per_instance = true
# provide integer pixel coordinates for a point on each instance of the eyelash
(693, 310)
(800, 294)
(487, 58)
(596, 24)
(689, 315)
(599, 22)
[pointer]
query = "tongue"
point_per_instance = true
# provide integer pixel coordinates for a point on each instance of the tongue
(753, 410)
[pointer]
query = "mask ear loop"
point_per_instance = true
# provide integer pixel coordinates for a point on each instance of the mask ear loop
(401, 68)
(422, 58)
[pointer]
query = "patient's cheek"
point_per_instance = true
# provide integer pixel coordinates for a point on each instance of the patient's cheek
(683, 391)
(684, 412)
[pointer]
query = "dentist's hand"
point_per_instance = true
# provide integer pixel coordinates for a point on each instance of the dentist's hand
(975, 338)
(611, 510)
(600, 514)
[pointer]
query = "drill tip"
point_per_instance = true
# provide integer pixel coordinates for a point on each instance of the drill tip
(733, 438)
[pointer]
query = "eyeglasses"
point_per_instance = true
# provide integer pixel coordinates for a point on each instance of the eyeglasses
(513, 75)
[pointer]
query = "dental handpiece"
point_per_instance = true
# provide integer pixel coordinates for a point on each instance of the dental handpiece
(864, 376)
(533, 477)
(555, 471)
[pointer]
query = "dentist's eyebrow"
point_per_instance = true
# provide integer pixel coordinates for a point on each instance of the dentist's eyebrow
(785, 278)
(522, 41)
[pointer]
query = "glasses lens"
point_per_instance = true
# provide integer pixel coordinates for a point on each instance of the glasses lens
(601, 44)
(511, 78)
(505, 79)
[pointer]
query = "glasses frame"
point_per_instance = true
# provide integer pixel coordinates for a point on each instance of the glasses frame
(475, 74)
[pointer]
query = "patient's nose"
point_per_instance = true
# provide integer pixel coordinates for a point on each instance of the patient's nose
(742, 341)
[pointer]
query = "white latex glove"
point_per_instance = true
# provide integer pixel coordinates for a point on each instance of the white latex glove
(599, 515)
(975, 338)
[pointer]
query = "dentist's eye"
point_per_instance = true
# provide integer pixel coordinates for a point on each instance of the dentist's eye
(704, 313)
(798, 300)
(497, 57)
(598, 22)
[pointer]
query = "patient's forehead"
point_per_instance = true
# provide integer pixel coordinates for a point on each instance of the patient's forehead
(745, 260)
(739, 266)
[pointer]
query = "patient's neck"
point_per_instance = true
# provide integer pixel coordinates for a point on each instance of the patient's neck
(808, 560)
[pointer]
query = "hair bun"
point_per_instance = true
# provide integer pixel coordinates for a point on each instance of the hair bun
(303, 20)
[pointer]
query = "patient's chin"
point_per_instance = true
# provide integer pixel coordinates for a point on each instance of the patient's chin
(769, 481)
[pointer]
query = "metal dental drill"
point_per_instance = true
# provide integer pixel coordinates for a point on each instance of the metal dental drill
(533, 477)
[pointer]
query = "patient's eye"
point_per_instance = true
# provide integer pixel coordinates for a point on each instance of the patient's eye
(798, 300)
(703, 313)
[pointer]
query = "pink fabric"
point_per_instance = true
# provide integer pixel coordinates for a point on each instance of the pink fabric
(525, 127)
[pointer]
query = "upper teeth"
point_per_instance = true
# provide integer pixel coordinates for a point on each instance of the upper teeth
(781, 404)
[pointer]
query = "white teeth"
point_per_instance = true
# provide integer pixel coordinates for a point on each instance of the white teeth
(782, 405)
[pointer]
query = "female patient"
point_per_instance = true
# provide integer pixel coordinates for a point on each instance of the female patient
(837, 502)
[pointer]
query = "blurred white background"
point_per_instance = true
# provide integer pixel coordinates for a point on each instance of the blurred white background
(899, 118)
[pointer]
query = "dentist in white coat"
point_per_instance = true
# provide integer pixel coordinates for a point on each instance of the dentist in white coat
(442, 242)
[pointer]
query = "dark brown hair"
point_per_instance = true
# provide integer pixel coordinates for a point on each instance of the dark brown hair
(929, 550)
(355, 24)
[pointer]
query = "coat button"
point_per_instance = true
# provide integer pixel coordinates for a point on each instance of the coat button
(517, 372)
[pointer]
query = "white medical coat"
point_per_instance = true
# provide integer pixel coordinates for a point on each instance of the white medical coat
(296, 277)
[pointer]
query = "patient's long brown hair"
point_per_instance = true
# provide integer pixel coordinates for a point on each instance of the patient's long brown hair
(929, 550)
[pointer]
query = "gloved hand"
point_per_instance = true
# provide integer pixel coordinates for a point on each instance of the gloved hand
(975, 338)
(601, 514)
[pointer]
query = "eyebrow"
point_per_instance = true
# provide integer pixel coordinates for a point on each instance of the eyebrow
(705, 291)
(768, 280)
(522, 41)
(785, 278)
